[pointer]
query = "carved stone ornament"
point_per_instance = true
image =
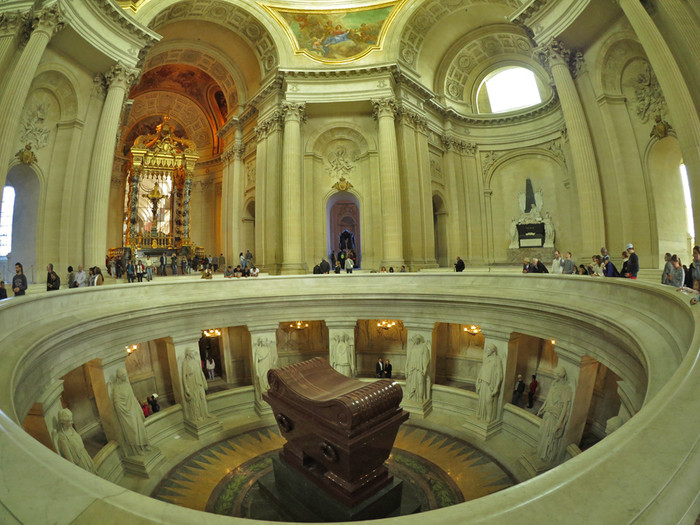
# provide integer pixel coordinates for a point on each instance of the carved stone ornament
(10, 23)
(650, 98)
(417, 120)
(553, 53)
(33, 130)
(26, 155)
(385, 107)
(294, 111)
(338, 164)
(49, 20)
(342, 185)
(121, 75)
(273, 123)
(660, 129)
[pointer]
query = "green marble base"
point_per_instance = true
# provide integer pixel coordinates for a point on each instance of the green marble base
(299, 499)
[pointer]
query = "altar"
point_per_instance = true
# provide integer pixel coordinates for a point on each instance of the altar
(158, 192)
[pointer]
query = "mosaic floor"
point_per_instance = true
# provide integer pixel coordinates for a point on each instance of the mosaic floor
(437, 470)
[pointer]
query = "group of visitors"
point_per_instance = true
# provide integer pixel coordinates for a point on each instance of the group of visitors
(391, 269)
(383, 369)
(151, 405)
(238, 271)
(346, 260)
(600, 266)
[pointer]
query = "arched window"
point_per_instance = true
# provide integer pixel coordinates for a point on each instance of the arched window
(8, 209)
(688, 201)
(507, 89)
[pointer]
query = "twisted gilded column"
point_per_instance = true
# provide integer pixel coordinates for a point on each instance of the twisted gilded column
(556, 56)
(45, 25)
(684, 116)
(384, 113)
(292, 230)
(118, 79)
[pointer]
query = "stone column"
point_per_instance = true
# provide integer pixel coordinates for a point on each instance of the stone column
(341, 346)
(42, 420)
(493, 393)
(392, 236)
(556, 56)
(118, 79)
(456, 222)
(420, 369)
(45, 25)
(264, 356)
(11, 25)
(177, 352)
(685, 118)
(587, 373)
(292, 182)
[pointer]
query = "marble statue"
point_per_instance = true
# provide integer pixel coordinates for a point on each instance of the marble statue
(194, 387)
(488, 384)
(342, 355)
(129, 416)
(555, 415)
(548, 230)
(265, 358)
(417, 366)
(70, 444)
(514, 237)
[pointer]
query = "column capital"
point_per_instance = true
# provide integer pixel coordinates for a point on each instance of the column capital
(577, 66)
(49, 20)
(273, 122)
(12, 22)
(384, 107)
(294, 111)
(120, 76)
(553, 53)
(417, 120)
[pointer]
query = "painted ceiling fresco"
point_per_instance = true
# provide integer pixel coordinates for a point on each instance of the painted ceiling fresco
(147, 126)
(336, 35)
(187, 80)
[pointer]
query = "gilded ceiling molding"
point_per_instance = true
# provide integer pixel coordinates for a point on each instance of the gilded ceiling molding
(229, 16)
(426, 16)
(336, 36)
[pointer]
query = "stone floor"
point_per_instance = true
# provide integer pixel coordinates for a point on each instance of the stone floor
(437, 470)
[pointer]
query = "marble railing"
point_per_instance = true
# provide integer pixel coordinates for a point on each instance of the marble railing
(646, 472)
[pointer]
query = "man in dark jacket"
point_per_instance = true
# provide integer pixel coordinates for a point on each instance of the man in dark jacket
(53, 281)
(459, 265)
(537, 266)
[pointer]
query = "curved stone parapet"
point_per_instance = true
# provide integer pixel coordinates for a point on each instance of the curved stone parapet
(646, 472)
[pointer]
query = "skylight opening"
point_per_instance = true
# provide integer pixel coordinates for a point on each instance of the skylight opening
(511, 89)
(8, 210)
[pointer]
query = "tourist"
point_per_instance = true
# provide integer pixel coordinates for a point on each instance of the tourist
(53, 281)
(149, 268)
(98, 279)
(387, 369)
(537, 266)
(459, 265)
(80, 277)
(676, 276)
(254, 272)
(215, 263)
(532, 390)
(632, 263)
(3, 290)
(163, 263)
(379, 368)
(248, 258)
(140, 270)
(211, 367)
(518, 391)
(568, 266)
(382, 269)
(242, 258)
(403, 269)
(668, 269)
(557, 263)
(70, 279)
(349, 264)
(228, 272)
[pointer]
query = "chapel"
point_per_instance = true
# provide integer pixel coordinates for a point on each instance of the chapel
(414, 133)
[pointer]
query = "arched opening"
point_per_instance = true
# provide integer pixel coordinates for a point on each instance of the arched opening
(664, 167)
(508, 89)
(7, 208)
(248, 229)
(343, 220)
(24, 219)
(440, 230)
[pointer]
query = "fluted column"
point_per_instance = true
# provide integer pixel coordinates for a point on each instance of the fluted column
(384, 113)
(582, 152)
(10, 27)
(44, 25)
(684, 117)
(292, 230)
(118, 78)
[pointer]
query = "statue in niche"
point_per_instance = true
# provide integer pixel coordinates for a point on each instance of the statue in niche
(488, 384)
(549, 233)
(129, 416)
(343, 355)
(417, 366)
(70, 444)
(265, 358)
(347, 240)
(195, 386)
(514, 236)
(555, 415)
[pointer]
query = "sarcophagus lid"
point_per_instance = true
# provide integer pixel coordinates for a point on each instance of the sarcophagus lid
(339, 430)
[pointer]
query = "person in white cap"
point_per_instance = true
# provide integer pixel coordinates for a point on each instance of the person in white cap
(632, 263)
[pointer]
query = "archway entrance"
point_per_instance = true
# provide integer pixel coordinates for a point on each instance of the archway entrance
(440, 230)
(24, 221)
(344, 224)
